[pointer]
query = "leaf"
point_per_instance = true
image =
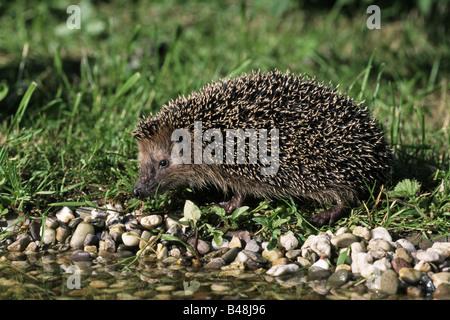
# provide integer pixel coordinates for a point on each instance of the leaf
(273, 243)
(406, 188)
(191, 211)
(342, 257)
(261, 220)
(219, 211)
(238, 212)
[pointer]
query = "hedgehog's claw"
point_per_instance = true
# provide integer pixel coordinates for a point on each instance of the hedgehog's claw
(330, 216)
(234, 203)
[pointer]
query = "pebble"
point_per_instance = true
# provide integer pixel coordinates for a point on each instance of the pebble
(429, 256)
(80, 255)
(203, 247)
(272, 255)
(387, 283)
(220, 287)
(442, 248)
(321, 245)
(230, 255)
(278, 270)
(49, 236)
(380, 233)
(161, 251)
(253, 246)
(362, 232)
(338, 278)
(151, 221)
(423, 266)
(321, 263)
(360, 261)
(318, 273)
(62, 233)
(379, 244)
(51, 222)
(20, 244)
(99, 284)
(417, 273)
(442, 292)
(65, 215)
(404, 254)
(82, 230)
(344, 240)
(406, 244)
(215, 264)
(293, 253)
(288, 241)
(399, 263)
(130, 239)
(410, 275)
(440, 278)
(236, 242)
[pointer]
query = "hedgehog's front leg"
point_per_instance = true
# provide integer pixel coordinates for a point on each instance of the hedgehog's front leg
(234, 203)
(330, 216)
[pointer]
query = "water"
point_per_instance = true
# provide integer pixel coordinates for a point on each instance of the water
(56, 276)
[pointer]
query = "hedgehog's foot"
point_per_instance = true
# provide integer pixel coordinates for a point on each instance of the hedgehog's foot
(330, 216)
(231, 205)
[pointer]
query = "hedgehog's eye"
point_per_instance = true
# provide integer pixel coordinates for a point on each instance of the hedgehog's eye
(163, 163)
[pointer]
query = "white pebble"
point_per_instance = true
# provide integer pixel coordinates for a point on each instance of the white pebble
(429, 256)
(151, 221)
(378, 243)
(380, 233)
(161, 251)
(97, 213)
(382, 264)
(442, 248)
(289, 241)
(406, 244)
(321, 263)
(130, 239)
(49, 236)
(280, 269)
(321, 245)
(362, 232)
(65, 215)
(360, 260)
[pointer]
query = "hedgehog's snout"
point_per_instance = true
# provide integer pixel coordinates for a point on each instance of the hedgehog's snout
(140, 190)
(137, 192)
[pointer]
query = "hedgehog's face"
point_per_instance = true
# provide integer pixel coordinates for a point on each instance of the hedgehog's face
(158, 173)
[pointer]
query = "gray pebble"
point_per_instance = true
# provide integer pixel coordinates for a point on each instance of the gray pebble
(253, 246)
(20, 244)
(338, 278)
(82, 230)
(318, 273)
(215, 264)
(80, 255)
(230, 255)
(388, 282)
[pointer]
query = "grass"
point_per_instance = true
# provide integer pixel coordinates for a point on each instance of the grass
(69, 98)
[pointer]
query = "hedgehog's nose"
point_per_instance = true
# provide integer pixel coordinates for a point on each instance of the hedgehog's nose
(137, 192)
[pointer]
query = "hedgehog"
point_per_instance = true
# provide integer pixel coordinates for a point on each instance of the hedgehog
(293, 137)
